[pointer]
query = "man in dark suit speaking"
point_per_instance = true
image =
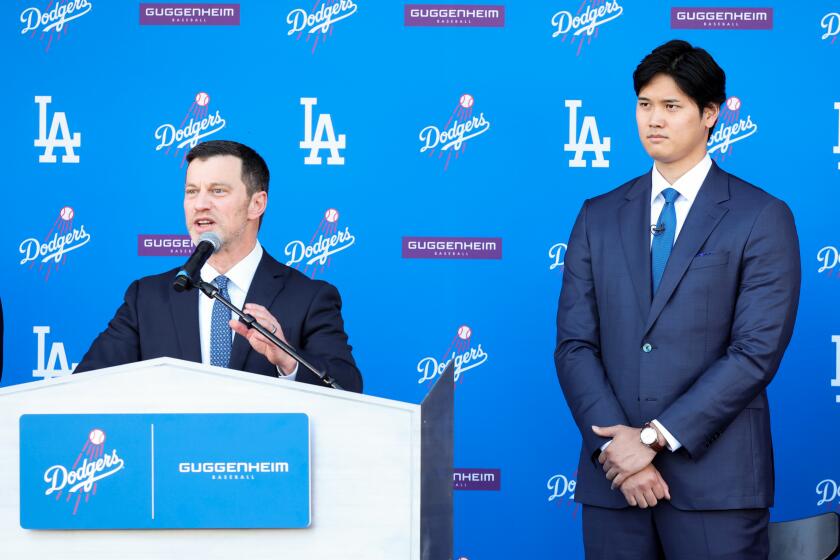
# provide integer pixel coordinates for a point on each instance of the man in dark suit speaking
(679, 296)
(226, 192)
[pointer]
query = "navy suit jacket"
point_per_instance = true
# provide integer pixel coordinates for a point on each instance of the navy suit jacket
(156, 321)
(717, 328)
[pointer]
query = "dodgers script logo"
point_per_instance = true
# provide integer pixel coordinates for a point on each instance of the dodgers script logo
(320, 20)
(828, 491)
(732, 127)
(562, 491)
(461, 127)
(583, 25)
(557, 254)
(50, 253)
(589, 140)
(83, 477)
(196, 125)
(53, 140)
(830, 23)
(317, 142)
(461, 350)
(56, 365)
(836, 149)
(52, 21)
(829, 258)
(836, 381)
(325, 242)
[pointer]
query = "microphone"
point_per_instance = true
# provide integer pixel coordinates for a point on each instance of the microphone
(208, 244)
(657, 229)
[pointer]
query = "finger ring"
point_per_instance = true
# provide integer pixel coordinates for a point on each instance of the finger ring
(274, 329)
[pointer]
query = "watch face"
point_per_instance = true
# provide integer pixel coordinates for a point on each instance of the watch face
(648, 436)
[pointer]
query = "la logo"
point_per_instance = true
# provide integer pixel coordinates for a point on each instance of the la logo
(580, 144)
(53, 141)
(317, 142)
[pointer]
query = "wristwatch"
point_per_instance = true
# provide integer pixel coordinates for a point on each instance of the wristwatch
(650, 437)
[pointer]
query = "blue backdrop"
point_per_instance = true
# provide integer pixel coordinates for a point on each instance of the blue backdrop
(384, 72)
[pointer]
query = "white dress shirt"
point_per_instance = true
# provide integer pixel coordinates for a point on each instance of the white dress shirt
(240, 277)
(688, 186)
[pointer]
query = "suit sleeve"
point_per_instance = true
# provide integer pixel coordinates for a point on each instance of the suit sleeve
(765, 311)
(120, 342)
(578, 354)
(325, 342)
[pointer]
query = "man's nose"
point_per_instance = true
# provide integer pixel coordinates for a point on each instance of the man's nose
(202, 200)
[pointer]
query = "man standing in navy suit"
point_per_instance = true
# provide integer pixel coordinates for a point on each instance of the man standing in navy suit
(679, 296)
(226, 192)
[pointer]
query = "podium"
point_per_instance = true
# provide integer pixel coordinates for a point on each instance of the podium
(381, 470)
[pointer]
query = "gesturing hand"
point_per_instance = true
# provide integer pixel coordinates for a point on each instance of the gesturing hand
(260, 343)
(626, 455)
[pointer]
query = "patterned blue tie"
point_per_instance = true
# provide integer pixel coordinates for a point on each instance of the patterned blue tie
(663, 241)
(220, 331)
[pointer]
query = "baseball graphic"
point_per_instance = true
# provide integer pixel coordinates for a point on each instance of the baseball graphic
(202, 99)
(733, 103)
(464, 332)
(97, 437)
(466, 101)
(331, 215)
(66, 213)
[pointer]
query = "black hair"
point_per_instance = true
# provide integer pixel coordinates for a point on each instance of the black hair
(692, 68)
(254, 170)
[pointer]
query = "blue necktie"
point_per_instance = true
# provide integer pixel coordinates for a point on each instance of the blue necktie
(663, 241)
(220, 332)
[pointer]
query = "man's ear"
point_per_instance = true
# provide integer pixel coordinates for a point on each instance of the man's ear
(257, 205)
(711, 112)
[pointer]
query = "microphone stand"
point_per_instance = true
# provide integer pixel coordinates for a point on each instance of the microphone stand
(213, 292)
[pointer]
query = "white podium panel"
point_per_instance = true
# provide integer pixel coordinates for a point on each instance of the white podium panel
(365, 453)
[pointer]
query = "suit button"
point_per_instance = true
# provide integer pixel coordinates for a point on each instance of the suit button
(647, 347)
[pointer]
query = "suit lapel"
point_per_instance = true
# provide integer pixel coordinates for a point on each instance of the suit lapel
(704, 216)
(634, 223)
(184, 308)
(268, 282)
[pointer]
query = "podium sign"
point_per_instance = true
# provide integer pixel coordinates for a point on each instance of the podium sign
(164, 471)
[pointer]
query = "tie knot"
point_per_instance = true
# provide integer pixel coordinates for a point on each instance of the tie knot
(670, 195)
(221, 282)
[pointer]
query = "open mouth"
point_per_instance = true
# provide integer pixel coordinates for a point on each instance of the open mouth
(204, 224)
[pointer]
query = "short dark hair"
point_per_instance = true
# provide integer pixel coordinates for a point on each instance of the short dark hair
(692, 68)
(254, 170)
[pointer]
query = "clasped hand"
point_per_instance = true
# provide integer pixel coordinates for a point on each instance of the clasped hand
(627, 464)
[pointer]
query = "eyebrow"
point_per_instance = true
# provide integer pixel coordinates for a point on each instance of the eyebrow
(669, 100)
(215, 184)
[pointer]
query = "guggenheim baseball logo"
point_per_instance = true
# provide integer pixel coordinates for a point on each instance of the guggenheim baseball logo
(198, 123)
(233, 470)
(92, 465)
(51, 22)
(721, 18)
(581, 26)
(452, 247)
(477, 479)
(318, 22)
(189, 14)
(453, 15)
(315, 256)
(732, 128)
(461, 127)
(164, 245)
(50, 252)
(460, 350)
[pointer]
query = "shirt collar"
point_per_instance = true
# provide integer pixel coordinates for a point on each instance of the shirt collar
(688, 185)
(242, 273)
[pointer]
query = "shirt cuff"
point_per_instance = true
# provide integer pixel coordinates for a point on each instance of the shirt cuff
(288, 376)
(673, 443)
